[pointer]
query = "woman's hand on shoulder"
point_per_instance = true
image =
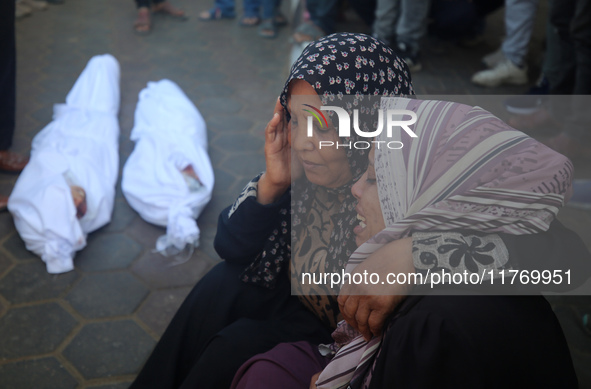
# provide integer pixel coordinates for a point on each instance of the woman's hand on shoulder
(367, 305)
(277, 177)
(314, 379)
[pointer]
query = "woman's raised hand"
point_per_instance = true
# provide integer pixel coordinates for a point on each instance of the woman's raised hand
(277, 177)
(367, 306)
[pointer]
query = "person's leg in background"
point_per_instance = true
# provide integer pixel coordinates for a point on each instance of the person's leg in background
(386, 16)
(143, 23)
(222, 9)
(272, 18)
(9, 161)
(323, 15)
(560, 63)
(410, 29)
(508, 66)
(575, 140)
(366, 9)
(252, 12)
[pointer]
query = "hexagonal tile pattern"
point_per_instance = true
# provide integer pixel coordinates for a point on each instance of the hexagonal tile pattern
(229, 123)
(157, 271)
(245, 165)
(16, 248)
(107, 294)
(239, 142)
(219, 105)
(5, 263)
(145, 233)
(34, 330)
(105, 252)
(45, 373)
(30, 282)
(160, 307)
(109, 349)
(6, 224)
(122, 216)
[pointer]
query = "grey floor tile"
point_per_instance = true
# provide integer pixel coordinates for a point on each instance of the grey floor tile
(159, 272)
(107, 251)
(107, 294)
(30, 282)
(34, 330)
(16, 248)
(109, 349)
(160, 307)
(45, 373)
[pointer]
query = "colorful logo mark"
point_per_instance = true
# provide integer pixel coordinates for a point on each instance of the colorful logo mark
(315, 114)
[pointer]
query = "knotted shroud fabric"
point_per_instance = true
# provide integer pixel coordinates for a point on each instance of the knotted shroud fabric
(170, 135)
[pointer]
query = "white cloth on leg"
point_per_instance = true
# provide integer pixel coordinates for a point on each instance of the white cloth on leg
(79, 147)
(170, 135)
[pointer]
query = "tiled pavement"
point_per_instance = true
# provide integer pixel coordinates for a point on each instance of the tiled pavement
(93, 327)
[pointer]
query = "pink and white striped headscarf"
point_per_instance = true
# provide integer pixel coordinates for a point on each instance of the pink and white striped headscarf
(467, 169)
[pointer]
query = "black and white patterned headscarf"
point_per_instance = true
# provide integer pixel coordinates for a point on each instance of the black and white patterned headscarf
(338, 65)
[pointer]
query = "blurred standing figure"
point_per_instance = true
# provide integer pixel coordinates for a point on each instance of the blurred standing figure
(507, 64)
(571, 22)
(9, 161)
(143, 23)
(402, 24)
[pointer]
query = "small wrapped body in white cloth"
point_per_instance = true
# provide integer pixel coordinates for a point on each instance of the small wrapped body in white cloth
(68, 188)
(168, 178)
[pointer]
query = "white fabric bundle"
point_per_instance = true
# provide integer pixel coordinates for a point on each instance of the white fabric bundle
(79, 147)
(170, 135)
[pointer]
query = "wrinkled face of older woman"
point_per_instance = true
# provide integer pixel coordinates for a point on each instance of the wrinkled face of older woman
(327, 166)
(369, 211)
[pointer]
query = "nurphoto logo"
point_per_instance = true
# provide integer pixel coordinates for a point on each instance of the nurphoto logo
(392, 117)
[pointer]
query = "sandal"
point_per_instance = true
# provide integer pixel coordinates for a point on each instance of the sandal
(307, 32)
(250, 21)
(168, 9)
(268, 29)
(142, 24)
(11, 162)
(215, 14)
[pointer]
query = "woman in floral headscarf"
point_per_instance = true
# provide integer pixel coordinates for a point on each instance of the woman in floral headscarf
(224, 321)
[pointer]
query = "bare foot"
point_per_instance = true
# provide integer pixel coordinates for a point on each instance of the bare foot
(142, 24)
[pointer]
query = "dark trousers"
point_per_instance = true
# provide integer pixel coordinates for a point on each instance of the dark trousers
(324, 12)
(221, 324)
(570, 48)
(7, 74)
(146, 3)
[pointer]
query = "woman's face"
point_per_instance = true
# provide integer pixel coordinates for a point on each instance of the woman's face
(369, 212)
(327, 166)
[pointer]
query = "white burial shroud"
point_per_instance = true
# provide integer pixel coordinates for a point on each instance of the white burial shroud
(170, 135)
(79, 147)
